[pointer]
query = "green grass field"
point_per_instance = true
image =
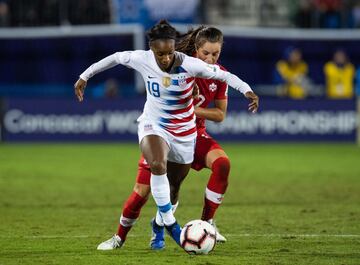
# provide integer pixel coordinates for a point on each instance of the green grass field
(286, 204)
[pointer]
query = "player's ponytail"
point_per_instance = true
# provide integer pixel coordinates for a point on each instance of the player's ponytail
(162, 30)
(195, 38)
(186, 43)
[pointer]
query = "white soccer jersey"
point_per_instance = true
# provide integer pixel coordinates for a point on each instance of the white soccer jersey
(169, 95)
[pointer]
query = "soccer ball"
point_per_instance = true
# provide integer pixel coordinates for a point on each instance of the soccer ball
(198, 237)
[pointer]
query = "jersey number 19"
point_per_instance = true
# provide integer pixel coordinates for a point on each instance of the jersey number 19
(153, 88)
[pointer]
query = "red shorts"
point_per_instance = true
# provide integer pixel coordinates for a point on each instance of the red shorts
(204, 144)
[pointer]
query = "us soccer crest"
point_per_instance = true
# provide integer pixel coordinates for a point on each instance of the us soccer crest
(212, 87)
(182, 81)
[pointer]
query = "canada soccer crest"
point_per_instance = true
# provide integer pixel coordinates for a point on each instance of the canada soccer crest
(212, 87)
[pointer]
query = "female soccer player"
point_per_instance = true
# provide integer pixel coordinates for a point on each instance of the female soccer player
(205, 43)
(166, 129)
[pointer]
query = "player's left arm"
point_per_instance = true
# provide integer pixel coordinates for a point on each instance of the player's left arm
(198, 68)
(216, 114)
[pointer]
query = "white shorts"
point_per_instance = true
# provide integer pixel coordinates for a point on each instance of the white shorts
(181, 152)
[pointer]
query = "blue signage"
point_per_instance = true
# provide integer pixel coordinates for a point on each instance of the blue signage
(107, 120)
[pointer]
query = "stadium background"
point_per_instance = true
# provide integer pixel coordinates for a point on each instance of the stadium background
(308, 179)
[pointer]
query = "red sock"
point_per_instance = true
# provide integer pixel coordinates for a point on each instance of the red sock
(209, 210)
(216, 187)
(131, 212)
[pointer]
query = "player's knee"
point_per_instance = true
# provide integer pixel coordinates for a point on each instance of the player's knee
(142, 189)
(158, 167)
(221, 167)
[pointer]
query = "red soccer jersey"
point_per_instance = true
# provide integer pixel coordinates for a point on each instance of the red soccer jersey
(209, 90)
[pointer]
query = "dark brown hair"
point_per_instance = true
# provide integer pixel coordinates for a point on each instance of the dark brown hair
(162, 30)
(195, 38)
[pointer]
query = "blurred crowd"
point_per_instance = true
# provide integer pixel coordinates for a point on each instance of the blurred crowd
(300, 13)
(25, 13)
(291, 75)
(327, 14)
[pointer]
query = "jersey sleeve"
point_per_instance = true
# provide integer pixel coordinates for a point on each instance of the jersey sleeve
(198, 68)
(126, 58)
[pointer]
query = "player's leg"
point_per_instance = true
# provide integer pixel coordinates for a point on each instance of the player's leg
(218, 162)
(209, 154)
(180, 158)
(176, 174)
(155, 150)
(131, 209)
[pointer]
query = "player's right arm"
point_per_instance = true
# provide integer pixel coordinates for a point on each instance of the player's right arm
(127, 58)
(198, 68)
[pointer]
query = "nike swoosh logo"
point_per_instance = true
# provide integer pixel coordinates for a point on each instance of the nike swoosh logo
(150, 77)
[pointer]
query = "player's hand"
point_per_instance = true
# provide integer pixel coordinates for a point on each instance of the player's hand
(79, 89)
(254, 101)
(196, 92)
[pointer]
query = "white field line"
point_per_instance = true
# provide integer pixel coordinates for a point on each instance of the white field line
(293, 235)
(227, 235)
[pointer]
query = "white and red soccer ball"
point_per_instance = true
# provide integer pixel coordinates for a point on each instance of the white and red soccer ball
(198, 237)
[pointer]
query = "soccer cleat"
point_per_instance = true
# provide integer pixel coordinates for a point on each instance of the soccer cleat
(174, 231)
(219, 237)
(110, 244)
(157, 241)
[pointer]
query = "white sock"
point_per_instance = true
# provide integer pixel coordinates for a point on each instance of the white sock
(160, 190)
(214, 196)
(124, 221)
(158, 218)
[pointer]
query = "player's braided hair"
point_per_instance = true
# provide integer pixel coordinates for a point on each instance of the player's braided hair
(195, 38)
(162, 30)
